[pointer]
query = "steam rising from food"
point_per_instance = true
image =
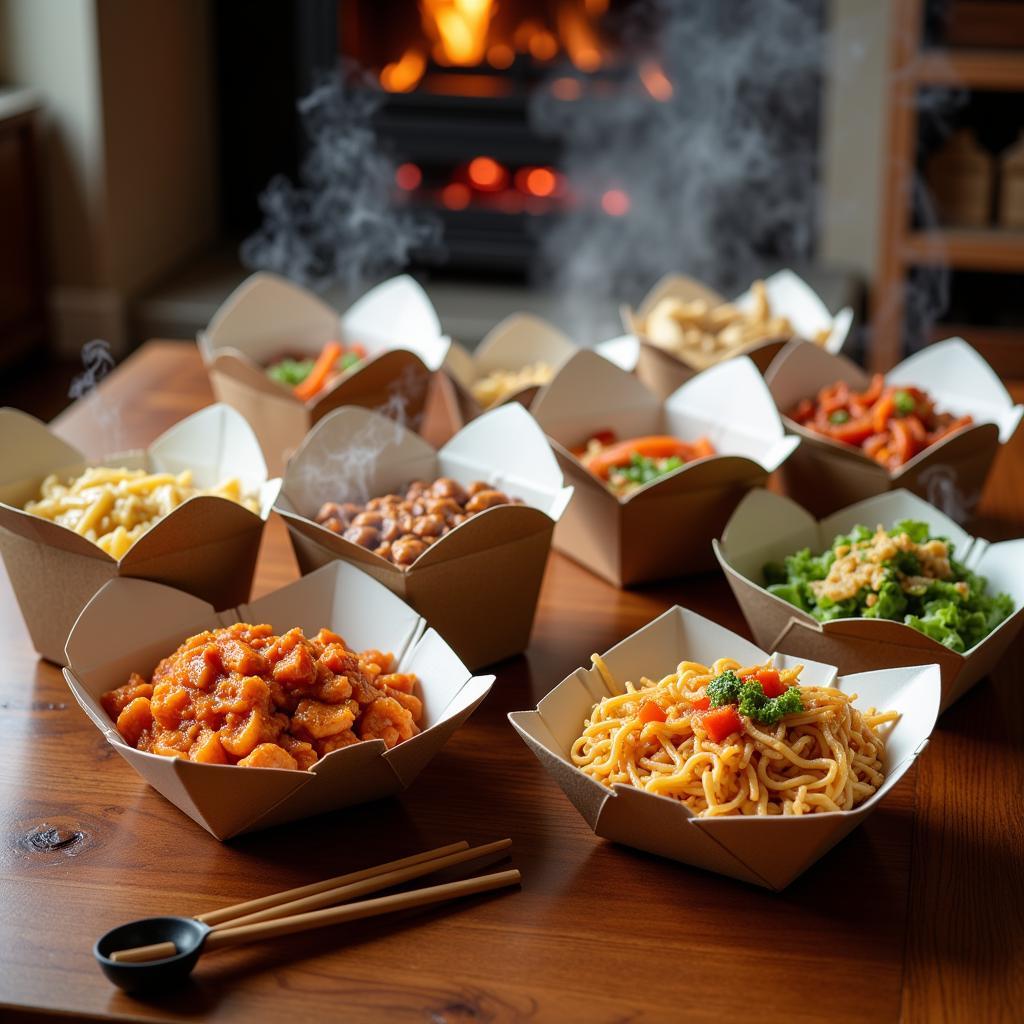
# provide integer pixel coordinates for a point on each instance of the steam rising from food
(339, 222)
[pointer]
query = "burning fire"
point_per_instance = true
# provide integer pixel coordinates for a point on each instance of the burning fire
(462, 34)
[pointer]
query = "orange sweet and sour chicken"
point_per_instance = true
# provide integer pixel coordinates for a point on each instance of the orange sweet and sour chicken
(245, 696)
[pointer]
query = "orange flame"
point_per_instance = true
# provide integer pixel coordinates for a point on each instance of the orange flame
(579, 38)
(656, 82)
(404, 75)
(461, 27)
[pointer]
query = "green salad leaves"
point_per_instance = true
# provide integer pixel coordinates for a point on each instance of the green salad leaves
(906, 582)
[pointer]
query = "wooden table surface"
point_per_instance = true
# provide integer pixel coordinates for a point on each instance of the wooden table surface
(917, 916)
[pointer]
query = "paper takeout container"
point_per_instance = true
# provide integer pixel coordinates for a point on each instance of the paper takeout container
(267, 316)
(665, 528)
(131, 624)
(766, 527)
(789, 296)
(477, 585)
(207, 546)
(767, 851)
(825, 475)
(520, 340)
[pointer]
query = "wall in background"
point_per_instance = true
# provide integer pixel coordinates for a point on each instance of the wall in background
(854, 116)
(129, 148)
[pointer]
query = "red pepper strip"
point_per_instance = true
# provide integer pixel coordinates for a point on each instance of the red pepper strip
(904, 447)
(771, 682)
(874, 391)
(322, 368)
(722, 722)
(882, 411)
(854, 432)
(651, 712)
(701, 703)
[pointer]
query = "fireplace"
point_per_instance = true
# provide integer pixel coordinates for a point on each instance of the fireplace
(456, 80)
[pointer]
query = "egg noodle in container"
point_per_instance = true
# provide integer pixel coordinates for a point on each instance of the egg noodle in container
(931, 425)
(284, 358)
(682, 327)
(462, 534)
(687, 741)
(324, 694)
(515, 359)
(656, 481)
(188, 511)
(886, 581)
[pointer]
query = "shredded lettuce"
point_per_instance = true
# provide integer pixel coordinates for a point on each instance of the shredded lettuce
(938, 608)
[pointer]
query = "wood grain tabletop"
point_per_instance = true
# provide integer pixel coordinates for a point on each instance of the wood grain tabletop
(917, 916)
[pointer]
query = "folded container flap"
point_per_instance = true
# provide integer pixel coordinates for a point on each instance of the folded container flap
(45, 531)
(766, 527)
(731, 405)
(354, 454)
(494, 527)
(962, 382)
(442, 676)
(216, 444)
(792, 297)
(623, 351)
(346, 600)
(521, 340)
(800, 371)
(331, 545)
(409, 758)
(154, 617)
(586, 794)
(678, 286)
(506, 447)
(397, 313)
(267, 316)
(30, 450)
(888, 509)
(91, 706)
(841, 325)
(1002, 565)
(815, 673)
(565, 708)
(590, 393)
(458, 363)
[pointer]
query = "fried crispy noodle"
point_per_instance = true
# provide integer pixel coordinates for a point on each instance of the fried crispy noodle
(826, 758)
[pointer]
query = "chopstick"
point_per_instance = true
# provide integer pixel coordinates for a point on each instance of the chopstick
(214, 917)
(321, 894)
(354, 911)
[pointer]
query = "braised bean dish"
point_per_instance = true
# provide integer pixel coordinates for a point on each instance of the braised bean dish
(400, 528)
(246, 696)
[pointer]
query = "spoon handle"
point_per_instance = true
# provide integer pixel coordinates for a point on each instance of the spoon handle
(222, 938)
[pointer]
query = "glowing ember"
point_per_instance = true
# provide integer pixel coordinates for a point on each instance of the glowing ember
(656, 82)
(543, 45)
(578, 36)
(408, 177)
(537, 181)
(404, 75)
(487, 174)
(456, 196)
(615, 202)
(501, 56)
(461, 27)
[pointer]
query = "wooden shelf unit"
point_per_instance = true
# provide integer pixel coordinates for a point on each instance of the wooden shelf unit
(903, 246)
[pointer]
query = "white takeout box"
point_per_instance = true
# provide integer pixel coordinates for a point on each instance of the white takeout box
(518, 341)
(766, 527)
(477, 585)
(131, 624)
(767, 851)
(788, 295)
(267, 316)
(665, 528)
(207, 546)
(825, 475)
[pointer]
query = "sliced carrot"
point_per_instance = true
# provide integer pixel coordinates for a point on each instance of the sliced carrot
(952, 428)
(874, 391)
(702, 448)
(322, 368)
(657, 446)
(854, 432)
(722, 722)
(882, 411)
(651, 712)
(771, 682)
(904, 447)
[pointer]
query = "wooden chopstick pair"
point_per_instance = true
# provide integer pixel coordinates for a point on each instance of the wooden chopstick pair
(298, 909)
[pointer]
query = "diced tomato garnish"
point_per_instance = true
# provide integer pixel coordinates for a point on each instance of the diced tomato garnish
(651, 712)
(701, 703)
(771, 682)
(722, 722)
